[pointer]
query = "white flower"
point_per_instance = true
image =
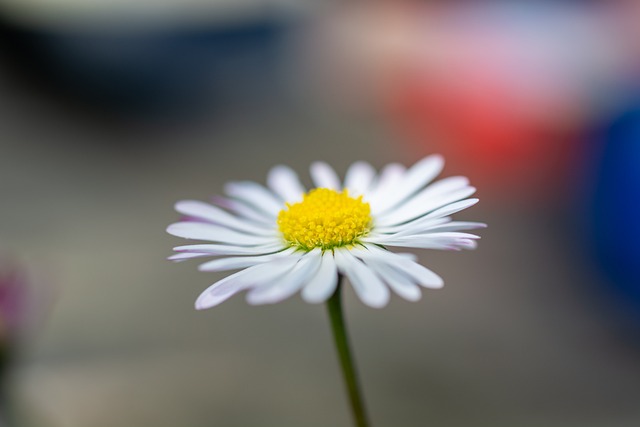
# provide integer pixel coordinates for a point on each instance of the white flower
(284, 239)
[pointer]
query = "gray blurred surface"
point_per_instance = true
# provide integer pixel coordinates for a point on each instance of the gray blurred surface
(514, 338)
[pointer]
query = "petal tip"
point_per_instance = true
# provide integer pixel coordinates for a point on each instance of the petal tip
(377, 304)
(200, 306)
(170, 229)
(436, 285)
(417, 298)
(312, 299)
(177, 206)
(380, 301)
(436, 157)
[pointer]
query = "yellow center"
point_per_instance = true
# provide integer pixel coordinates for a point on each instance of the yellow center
(325, 219)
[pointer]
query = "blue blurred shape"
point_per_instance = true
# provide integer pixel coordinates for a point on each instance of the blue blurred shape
(616, 207)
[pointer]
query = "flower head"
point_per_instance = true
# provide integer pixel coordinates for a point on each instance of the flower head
(325, 219)
(284, 238)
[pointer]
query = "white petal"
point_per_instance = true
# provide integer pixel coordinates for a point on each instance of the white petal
(255, 195)
(324, 283)
(436, 235)
(214, 250)
(412, 227)
(442, 245)
(427, 243)
(289, 284)
(422, 204)
(452, 208)
(407, 255)
(247, 212)
(387, 181)
(467, 244)
(448, 185)
(359, 177)
(422, 275)
(324, 176)
(368, 286)
(284, 182)
(436, 220)
(416, 177)
(389, 176)
(187, 255)
(399, 282)
(207, 212)
(458, 226)
(232, 263)
(220, 291)
(214, 233)
(257, 275)
(431, 239)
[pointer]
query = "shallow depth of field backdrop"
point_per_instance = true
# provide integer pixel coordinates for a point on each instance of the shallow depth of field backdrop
(111, 112)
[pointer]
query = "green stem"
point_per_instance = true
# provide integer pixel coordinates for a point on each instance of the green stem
(334, 307)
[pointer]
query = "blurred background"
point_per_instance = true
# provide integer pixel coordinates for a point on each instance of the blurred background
(112, 111)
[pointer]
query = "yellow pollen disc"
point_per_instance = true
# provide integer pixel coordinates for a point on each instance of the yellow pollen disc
(325, 219)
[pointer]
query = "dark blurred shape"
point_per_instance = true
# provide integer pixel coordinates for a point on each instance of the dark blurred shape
(174, 70)
(13, 318)
(616, 212)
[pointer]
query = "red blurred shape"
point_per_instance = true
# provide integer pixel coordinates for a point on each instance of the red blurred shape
(482, 131)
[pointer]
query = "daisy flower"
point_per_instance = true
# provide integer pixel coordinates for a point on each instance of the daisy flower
(284, 238)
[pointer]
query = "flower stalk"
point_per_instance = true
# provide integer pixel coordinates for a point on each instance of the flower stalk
(338, 326)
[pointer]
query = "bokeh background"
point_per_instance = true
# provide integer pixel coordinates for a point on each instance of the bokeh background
(112, 111)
